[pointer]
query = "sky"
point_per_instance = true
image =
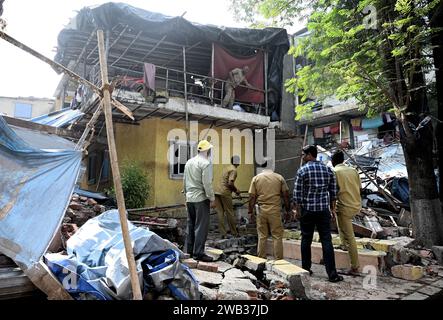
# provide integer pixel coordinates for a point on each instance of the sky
(38, 23)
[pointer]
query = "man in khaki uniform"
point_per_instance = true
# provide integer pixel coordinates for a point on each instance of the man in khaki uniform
(348, 205)
(223, 198)
(267, 189)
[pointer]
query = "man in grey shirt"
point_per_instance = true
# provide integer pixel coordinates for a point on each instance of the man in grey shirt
(199, 199)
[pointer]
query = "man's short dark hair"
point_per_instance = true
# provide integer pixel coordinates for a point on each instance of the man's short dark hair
(338, 157)
(235, 160)
(310, 149)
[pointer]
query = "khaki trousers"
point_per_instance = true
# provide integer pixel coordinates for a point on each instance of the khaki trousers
(270, 223)
(347, 237)
(224, 207)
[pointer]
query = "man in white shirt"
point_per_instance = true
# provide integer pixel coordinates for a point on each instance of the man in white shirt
(199, 199)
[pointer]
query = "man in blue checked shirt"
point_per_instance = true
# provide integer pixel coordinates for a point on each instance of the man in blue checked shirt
(315, 193)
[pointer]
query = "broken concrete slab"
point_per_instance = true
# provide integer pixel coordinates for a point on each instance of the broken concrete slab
(209, 279)
(208, 293)
(438, 284)
(407, 272)
(430, 290)
(235, 273)
(250, 276)
(416, 296)
(223, 266)
(236, 284)
(225, 294)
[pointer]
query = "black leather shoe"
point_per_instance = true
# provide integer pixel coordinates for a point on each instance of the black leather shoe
(204, 258)
(336, 278)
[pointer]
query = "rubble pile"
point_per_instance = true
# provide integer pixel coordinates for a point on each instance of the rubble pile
(249, 278)
(81, 209)
(232, 248)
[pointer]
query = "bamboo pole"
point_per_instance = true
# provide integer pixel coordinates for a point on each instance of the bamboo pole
(137, 295)
(186, 103)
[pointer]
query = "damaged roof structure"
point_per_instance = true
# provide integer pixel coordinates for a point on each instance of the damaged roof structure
(174, 46)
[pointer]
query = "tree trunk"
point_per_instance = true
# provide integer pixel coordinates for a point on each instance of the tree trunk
(425, 205)
(437, 42)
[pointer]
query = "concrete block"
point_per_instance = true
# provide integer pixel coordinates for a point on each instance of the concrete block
(438, 252)
(292, 250)
(214, 253)
(191, 263)
(382, 245)
(336, 241)
(207, 266)
(407, 272)
(288, 270)
(253, 263)
(292, 234)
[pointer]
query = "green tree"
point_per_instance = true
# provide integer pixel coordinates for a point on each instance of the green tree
(378, 52)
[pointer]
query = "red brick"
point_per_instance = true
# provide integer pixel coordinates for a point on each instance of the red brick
(207, 266)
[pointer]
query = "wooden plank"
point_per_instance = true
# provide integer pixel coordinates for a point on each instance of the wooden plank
(136, 291)
(41, 127)
(42, 278)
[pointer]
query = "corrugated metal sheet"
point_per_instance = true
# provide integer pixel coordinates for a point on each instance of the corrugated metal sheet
(59, 119)
(38, 172)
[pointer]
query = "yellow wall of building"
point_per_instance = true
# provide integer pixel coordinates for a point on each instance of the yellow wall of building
(138, 143)
(168, 191)
(148, 143)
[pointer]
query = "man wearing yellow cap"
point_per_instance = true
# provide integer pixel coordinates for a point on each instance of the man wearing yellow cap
(197, 186)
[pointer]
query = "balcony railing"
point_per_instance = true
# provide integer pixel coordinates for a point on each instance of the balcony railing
(171, 83)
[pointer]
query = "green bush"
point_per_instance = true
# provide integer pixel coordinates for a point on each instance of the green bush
(135, 185)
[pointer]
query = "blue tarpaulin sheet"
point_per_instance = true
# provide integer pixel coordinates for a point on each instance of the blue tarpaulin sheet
(38, 172)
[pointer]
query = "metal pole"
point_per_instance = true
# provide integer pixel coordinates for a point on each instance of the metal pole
(212, 74)
(266, 81)
(340, 133)
(304, 143)
(186, 102)
(136, 291)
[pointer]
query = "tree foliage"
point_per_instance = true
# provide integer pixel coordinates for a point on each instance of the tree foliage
(350, 57)
(378, 53)
(135, 184)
